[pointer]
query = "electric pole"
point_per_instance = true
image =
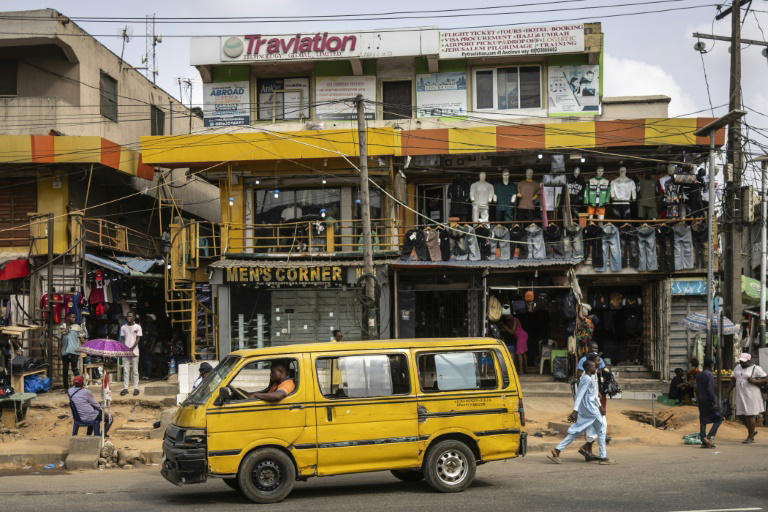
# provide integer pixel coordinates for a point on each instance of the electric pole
(732, 210)
(369, 305)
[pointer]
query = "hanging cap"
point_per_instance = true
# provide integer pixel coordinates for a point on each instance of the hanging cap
(744, 357)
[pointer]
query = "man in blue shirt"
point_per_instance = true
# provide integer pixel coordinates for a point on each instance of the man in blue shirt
(593, 349)
(87, 407)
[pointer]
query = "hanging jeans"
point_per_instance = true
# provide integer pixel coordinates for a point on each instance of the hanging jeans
(483, 237)
(553, 238)
(700, 240)
(414, 241)
(593, 244)
(665, 241)
(646, 245)
(517, 237)
(432, 241)
(629, 249)
(535, 241)
(573, 245)
(683, 247)
(472, 245)
(611, 248)
(459, 243)
(500, 240)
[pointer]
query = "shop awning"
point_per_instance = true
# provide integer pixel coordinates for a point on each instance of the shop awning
(750, 291)
(238, 263)
(139, 264)
(527, 263)
(127, 269)
(14, 268)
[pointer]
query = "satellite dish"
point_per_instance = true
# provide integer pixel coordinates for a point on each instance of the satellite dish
(700, 47)
(765, 52)
(158, 38)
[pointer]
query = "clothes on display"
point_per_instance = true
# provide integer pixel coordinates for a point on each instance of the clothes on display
(458, 193)
(535, 240)
(593, 244)
(481, 195)
(527, 193)
(576, 189)
(519, 247)
(414, 246)
(58, 306)
(683, 246)
(74, 303)
(573, 244)
(700, 240)
(445, 244)
(665, 246)
(671, 197)
(483, 236)
(500, 241)
(506, 199)
(623, 192)
(611, 248)
(553, 238)
(432, 241)
(630, 255)
(553, 188)
(646, 198)
(597, 196)
(646, 244)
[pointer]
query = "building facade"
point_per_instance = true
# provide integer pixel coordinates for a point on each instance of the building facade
(490, 153)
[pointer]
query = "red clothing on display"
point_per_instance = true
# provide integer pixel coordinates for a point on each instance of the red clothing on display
(97, 290)
(58, 306)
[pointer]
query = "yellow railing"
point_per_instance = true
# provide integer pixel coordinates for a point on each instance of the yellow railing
(110, 235)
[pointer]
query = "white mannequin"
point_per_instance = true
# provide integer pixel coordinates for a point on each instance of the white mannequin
(576, 172)
(623, 191)
(480, 193)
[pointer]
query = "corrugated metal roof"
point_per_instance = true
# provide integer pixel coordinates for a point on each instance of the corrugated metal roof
(230, 263)
(139, 264)
(514, 263)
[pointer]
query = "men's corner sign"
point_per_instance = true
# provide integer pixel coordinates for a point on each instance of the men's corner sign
(227, 104)
(534, 40)
(292, 276)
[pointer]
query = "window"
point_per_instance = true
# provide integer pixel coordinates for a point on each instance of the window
(108, 93)
(283, 98)
(254, 377)
(454, 371)
(8, 77)
(157, 119)
(212, 381)
(295, 205)
(504, 370)
(363, 376)
(397, 99)
(508, 88)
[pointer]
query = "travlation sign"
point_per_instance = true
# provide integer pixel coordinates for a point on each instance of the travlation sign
(534, 40)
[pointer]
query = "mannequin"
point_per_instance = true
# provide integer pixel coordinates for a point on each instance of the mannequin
(576, 189)
(505, 197)
(623, 192)
(480, 193)
(670, 193)
(597, 194)
(646, 197)
(527, 193)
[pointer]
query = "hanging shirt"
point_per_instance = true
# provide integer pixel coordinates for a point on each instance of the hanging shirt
(74, 303)
(506, 195)
(576, 189)
(97, 289)
(623, 190)
(58, 306)
(646, 193)
(598, 193)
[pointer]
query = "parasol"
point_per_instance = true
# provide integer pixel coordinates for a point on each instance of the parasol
(105, 348)
(698, 322)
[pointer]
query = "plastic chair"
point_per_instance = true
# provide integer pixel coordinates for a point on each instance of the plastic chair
(554, 354)
(94, 427)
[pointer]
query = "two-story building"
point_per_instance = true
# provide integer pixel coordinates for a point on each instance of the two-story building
(71, 115)
(474, 138)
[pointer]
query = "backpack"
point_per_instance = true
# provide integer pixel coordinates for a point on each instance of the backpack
(608, 385)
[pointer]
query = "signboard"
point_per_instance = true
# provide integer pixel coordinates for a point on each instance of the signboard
(535, 40)
(322, 45)
(574, 89)
(283, 98)
(292, 276)
(227, 104)
(441, 94)
(689, 287)
(333, 96)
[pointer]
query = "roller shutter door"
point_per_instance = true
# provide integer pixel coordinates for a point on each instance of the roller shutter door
(681, 339)
(18, 197)
(307, 316)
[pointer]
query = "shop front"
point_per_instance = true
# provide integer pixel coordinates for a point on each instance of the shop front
(264, 303)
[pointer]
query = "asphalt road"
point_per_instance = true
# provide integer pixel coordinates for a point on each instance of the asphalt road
(731, 477)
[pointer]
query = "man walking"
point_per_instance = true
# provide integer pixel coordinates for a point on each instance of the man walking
(587, 416)
(130, 335)
(709, 411)
(71, 334)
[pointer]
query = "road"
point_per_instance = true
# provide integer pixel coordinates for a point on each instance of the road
(684, 478)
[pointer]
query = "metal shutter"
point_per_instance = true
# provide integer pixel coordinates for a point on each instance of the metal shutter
(319, 311)
(18, 197)
(681, 339)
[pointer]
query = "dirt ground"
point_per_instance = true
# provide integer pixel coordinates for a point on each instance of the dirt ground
(541, 411)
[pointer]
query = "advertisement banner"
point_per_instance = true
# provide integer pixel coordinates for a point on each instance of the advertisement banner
(574, 89)
(227, 104)
(283, 98)
(441, 94)
(333, 95)
(536, 40)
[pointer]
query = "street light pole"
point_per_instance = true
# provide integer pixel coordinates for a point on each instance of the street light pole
(710, 131)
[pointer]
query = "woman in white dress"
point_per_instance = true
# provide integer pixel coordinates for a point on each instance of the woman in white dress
(747, 398)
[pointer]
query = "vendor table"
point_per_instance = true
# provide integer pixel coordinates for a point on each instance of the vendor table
(14, 408)
(17, 379)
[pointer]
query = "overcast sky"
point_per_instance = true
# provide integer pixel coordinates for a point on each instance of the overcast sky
(644, 54)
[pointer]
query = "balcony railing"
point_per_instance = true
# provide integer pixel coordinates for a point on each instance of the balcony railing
(105, 234)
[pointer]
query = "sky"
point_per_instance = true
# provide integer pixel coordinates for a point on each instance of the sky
(644, 54)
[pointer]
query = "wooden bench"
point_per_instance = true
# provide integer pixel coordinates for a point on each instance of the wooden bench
(14, 408)
(17, 379)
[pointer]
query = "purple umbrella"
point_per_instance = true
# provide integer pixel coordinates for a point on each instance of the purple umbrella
(105, 348)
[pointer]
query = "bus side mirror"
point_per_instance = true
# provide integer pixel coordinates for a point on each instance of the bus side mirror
(224, 396)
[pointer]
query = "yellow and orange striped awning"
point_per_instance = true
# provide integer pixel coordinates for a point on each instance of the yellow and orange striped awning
(262, 144)
(51, 149)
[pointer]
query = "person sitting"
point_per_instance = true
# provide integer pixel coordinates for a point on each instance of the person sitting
(87, 407)
(205, 369)
(280, 384)
(680, 388)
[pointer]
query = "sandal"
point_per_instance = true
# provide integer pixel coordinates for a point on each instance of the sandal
(554, 457)
(707, 443)
(587, 456)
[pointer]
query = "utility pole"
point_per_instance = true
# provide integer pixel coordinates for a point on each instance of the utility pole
(51, 323)
(369, 307)
(763, 241)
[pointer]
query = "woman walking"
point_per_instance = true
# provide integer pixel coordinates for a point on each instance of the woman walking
(748, 400)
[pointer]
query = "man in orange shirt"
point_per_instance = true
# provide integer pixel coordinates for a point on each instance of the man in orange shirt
(280, 384)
